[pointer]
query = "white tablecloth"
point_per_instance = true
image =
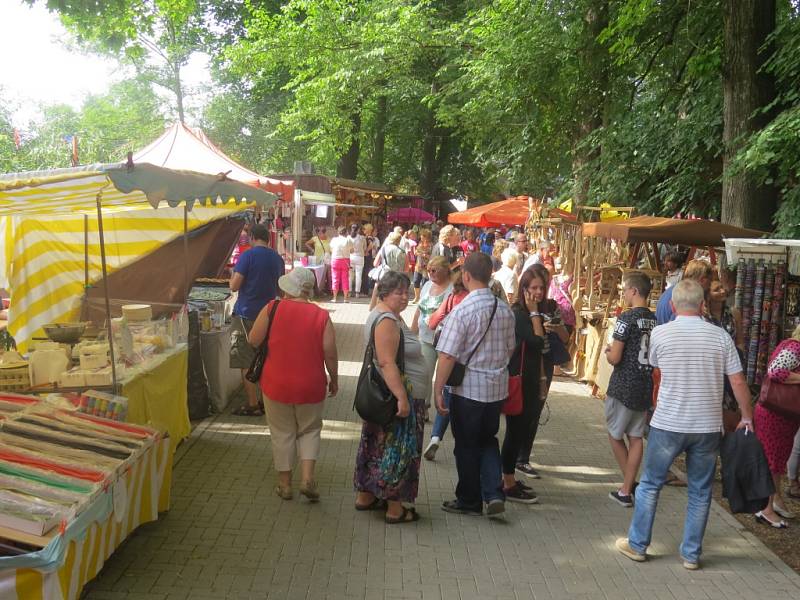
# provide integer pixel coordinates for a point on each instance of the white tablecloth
(223, 382)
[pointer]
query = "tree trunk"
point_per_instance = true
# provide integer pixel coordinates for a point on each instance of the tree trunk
(348, 163)
(178, 89)
(593, 65)
(428, 177)
(747, 25)
(381, 116)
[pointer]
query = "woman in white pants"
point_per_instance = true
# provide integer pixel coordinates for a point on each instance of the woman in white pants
(357, 258)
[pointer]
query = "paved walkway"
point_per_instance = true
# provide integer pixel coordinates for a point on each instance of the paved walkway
(228, 535)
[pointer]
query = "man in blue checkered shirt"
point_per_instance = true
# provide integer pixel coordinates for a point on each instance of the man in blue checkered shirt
(478, 333)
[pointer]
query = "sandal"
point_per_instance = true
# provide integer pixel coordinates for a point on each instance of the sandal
(674, 481)
(403, 518)
(376, 504)
(763, 519)
(284, 493)
(245, 410)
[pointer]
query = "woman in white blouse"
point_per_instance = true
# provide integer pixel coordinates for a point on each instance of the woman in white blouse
(359, 243)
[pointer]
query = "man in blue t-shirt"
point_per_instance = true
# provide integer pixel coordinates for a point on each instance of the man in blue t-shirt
(255, 278)
(701, 271)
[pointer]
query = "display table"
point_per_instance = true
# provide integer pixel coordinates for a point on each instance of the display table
(318, 270)
(156, 392)
(223, 382)
(75, 556)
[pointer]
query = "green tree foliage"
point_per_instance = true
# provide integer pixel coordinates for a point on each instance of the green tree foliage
(108, 126)
(157, 37)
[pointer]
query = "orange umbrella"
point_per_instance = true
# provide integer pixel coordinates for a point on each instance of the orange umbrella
(513, 211)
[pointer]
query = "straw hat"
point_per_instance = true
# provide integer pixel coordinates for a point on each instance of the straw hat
(298, 282)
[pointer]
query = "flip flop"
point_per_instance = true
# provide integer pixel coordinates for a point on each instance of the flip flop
(403, 518)
(762, 518)
(376, 504)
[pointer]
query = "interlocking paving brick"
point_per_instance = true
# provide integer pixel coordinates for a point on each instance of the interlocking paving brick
(228, 536)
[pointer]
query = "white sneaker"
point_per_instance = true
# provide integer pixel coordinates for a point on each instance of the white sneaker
(495, 508)
(430, 450)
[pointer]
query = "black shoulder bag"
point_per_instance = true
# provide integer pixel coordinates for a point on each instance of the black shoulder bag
(374, 401)
(253, 374)
(459, 370)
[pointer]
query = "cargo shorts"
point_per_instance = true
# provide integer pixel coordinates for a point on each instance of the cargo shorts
(242, 353)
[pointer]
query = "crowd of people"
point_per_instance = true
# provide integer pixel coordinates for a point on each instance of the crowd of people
(491, 313)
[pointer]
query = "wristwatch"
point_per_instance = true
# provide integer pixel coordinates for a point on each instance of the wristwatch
(534, 314)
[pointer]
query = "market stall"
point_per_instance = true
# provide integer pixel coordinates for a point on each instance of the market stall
(184, 148)
(608, 251)
(767, 294)
(108, 483)
(74, 486)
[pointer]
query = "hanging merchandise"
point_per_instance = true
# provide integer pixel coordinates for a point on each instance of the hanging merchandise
(777, 306)
(747, 299)
(760, 297)
(766, 322)
(739, 295)
(755, 322)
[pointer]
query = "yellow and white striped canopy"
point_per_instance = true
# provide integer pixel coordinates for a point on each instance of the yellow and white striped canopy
(43, 230)
(121, 187)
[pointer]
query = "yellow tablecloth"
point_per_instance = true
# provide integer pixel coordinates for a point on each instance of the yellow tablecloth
(156, 394)
(85, 556)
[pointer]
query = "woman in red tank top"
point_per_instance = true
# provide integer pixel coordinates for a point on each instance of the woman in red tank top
(301, 346)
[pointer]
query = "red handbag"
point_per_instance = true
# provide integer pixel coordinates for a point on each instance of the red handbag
(781, 398)
(512, 405)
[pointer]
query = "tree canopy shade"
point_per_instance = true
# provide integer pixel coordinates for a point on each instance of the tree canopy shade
(688, 232)
(668, 106)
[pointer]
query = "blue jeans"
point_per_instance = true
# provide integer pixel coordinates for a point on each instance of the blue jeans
(477, 452)
(701, 460)
(441, 423)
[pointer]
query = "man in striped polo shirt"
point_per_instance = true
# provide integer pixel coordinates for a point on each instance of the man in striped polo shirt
(694, 357)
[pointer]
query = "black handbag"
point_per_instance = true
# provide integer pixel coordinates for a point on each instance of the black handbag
(559, 354)
(459, 370)
(374, 401)
(253, 374)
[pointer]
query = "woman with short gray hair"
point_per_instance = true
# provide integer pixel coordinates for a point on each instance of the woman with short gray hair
(387, 464)
(393, 257)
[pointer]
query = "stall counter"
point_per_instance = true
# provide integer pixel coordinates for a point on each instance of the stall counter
(75, 557)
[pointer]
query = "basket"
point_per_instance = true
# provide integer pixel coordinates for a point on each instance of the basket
(15, 377)
(64, 333)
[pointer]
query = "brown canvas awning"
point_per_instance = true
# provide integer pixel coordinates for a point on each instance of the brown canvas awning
(687, 232)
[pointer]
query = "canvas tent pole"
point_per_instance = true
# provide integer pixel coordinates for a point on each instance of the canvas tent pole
(185, 252)
(85, 251)
(105, 291)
